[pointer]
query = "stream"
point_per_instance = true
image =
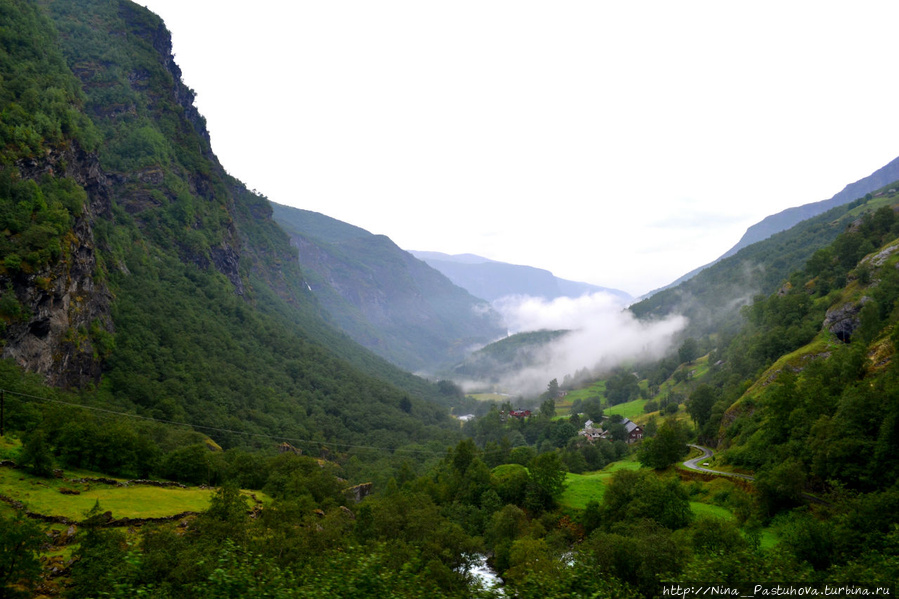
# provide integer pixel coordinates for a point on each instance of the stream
(483, 574)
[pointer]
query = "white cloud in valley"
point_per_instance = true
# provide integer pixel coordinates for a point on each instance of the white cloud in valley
(603, 335)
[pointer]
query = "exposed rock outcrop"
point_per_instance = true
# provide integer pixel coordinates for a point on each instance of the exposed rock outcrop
(66, 303)
(360, 492)
(843, 320)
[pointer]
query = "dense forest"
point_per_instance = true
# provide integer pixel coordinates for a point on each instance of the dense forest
(195, 309)
(178, 417)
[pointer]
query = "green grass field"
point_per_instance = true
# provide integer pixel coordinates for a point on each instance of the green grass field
(138, 501)
(582, 488)
(9, 448)
(597, 389)
(630, 410)
(708, 510)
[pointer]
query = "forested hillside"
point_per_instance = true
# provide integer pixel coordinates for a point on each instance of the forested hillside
(882, 178)
(140, 276)
(179, 418)
(511, 354)
(823, 407)
(713, 298)
(383, 297)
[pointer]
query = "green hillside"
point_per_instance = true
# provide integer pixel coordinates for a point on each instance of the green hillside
(146, 280)
(827, 380)
(712, 299)
(158, 330)
(385, 299)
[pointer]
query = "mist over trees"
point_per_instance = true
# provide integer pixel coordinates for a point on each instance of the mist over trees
(203, 368)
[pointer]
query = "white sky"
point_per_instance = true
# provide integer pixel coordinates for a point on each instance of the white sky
(617, 143)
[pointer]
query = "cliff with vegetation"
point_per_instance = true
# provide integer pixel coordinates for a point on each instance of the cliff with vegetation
(54, 302)
(157, 324)
(139, 275)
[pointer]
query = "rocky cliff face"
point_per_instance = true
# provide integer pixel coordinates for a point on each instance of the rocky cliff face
(66, 306)
(62, 324)
(214, 324)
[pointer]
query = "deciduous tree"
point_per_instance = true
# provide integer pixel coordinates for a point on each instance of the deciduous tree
(20, 540)
(666, 448)
(547, 481)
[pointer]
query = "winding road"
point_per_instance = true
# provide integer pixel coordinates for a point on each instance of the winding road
(694, 464)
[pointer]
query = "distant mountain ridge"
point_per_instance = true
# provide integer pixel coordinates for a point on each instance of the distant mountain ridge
(383, 297)
(712, 299)
(785, 219)
(491, 280)
(790, 217)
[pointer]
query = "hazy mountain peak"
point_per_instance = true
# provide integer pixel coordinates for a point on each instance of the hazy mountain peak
(492, 280)
(458, 258)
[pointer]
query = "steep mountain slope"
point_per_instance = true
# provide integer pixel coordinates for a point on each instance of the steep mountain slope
(138, 272)
(823, 404)
(712, 299)
(383, 297)
(54, 309)
(785, 219)
(492, 280)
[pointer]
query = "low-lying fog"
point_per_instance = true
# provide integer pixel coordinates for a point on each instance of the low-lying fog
(603, 335)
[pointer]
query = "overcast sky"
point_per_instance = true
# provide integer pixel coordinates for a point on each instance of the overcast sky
(617, 143)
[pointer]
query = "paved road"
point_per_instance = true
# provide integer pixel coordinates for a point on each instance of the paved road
(694, 464)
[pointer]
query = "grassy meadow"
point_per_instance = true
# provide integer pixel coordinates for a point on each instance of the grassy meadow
(597, 389)
(630, 410)
(582, 488)
(56, 497)
(72, 500)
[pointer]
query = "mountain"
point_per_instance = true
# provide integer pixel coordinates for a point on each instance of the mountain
(148, 300)
(383, 297)
(712, 299)
(492, 280)
(141, 277)
(810, 383)
(786, 219)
